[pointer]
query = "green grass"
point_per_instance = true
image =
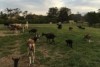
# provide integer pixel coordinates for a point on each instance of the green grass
(83, 54)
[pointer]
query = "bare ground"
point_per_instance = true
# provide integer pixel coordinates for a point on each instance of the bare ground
(5, 33)
(23, 62)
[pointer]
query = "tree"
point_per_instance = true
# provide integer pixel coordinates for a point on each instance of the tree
(53, 14)
(64, 14)
(12, 13)
(92, 18)
(25, 14)
(76, 17)
(3, 15)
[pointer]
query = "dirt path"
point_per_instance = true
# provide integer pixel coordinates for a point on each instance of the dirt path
(23, 62)
(7, 61)
(7, 33)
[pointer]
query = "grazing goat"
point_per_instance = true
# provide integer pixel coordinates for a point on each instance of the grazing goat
(6, 24)
(33, 31)
(70, 28)
(87, 37)
(59, 25)
(31, 50)
(80, 27)
(36, 37)
(69, 43)
(15, 27)
(50, 37)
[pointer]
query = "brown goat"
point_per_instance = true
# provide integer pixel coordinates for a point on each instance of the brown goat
(31, 50)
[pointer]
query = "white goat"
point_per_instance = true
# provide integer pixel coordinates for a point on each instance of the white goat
(26, 25)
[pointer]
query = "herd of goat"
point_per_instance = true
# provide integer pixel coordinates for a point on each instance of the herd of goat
(49, 36)
(16, 27)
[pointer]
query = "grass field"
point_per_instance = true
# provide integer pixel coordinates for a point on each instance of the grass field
(83, 54)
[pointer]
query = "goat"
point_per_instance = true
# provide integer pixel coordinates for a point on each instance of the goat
(87, 37)
(15, 61)
(26, 25)
(36, 37)
(33, 31)
(70, 28)
(80, 27)
(14, 27)
(6, 24)
(59, 25)
(69, 43)
(31, 50)
(50, 37)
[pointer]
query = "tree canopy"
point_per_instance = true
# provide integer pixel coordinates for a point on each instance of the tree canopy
(54, 15)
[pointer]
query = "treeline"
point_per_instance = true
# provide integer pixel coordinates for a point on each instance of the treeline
(18, 16)
(54, 15)
(93, 18)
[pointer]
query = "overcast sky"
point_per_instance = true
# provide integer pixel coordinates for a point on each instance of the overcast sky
(42, 6)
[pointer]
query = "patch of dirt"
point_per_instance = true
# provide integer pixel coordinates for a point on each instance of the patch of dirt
(23, 61)
(44, 51)
(7, 61)
(2, 33)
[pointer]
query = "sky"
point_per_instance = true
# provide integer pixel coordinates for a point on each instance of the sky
(42, 6)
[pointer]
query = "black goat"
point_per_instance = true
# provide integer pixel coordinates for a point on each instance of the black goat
(33, 31)
(59, 26)
(80, 27)
(15, 61)
(6, 24)
(70, 28)
(50, 37)
(69, 43)
(36, 37)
